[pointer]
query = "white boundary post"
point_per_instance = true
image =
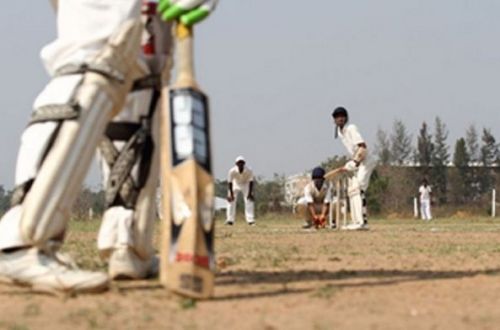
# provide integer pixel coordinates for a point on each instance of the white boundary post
(415, 207)
(493, 202)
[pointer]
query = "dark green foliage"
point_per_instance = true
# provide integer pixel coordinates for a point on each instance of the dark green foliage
(401, 149)
(375, 194)
(383, 148)
(425, 148)
(439, 161)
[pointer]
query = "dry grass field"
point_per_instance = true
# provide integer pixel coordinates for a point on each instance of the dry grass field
(402, 274)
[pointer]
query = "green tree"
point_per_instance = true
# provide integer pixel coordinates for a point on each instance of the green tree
(4, 200)
(461, 157)
(488, 156)
(472, 142)
(88, 199)
(382, 147)
(489, 148)
(474, 171)
(461, 175)
(400, 143)
(270, 194)
(333, 162)
(221, 188)
(376, 191)
(440, 160)
(425, 148)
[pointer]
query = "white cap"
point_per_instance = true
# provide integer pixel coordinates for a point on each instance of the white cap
(240, 159)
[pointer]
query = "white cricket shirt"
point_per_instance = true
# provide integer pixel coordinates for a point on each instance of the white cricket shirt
(313, 195)
(425, 192)
(240, 180)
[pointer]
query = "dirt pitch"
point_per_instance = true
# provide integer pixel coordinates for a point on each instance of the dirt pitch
(403, 274)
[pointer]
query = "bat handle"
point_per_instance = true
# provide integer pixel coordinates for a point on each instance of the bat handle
(184, 56)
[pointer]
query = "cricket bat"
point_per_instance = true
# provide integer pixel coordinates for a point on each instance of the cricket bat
(187, 260)
(331, 175)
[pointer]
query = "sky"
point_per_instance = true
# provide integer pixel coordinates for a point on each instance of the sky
(275, 70)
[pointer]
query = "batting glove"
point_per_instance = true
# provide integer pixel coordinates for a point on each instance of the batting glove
(189, 12)
(351, 166)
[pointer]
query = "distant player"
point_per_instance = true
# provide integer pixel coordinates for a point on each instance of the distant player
(361, 166)
(425, 193)
(315, 204)
(240, 179)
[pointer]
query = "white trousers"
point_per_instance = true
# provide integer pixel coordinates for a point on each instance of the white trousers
(249, 206)
(357, 186)
(364, 173)
(425, 209)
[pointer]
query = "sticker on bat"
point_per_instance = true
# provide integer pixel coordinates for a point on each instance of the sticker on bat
(190, 129)
(191, 282)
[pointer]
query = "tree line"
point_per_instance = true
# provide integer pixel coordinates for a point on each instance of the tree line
(465, 172)
(461, 176)
(86, 200)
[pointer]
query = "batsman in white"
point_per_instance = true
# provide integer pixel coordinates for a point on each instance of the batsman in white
(240, 179)
(98, 73)
(361, 166)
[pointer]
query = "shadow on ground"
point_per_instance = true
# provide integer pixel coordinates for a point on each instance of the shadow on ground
(346, 279)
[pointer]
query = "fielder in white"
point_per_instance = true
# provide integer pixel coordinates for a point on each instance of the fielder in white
(98, 72)
(240, 179)
(361, 166)
(425, 193)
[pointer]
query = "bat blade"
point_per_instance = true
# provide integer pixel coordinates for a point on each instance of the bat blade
(333, 174)
(187, 252)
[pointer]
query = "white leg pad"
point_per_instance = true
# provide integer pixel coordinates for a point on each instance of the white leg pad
(10, 231)
(97, 94)
(133, 225)
(355, 201)
(116, 229)
(249, 210)
(231, 209)
(146, 210)
(34, 143)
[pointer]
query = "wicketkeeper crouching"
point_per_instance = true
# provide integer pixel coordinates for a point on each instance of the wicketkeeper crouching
(314, 206)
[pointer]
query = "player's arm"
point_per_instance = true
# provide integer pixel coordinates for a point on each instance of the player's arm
(358, 157)
(250, 190)
(312, 210)
(360, 154)
(250, 184)
(361, 150)
(230, 192)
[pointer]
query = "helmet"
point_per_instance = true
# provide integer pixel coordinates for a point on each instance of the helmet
(318, 173)
(340, 111)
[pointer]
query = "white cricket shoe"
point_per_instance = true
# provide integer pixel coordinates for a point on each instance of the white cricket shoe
(125, 264)
(356, 226)
(45, 270)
